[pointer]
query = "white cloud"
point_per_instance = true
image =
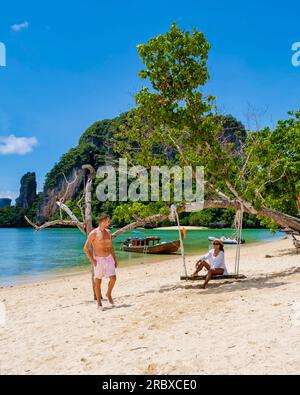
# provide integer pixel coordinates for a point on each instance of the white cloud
(17, 145)
(19, 26)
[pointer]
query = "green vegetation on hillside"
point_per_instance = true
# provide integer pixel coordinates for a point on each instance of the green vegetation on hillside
(95, 147)
(13, 216)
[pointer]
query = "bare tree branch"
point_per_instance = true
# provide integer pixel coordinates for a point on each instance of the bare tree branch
(74, 220)
(69, 183)
(54, 223)
(68, 211)
(222, 195)
(242, 172)
(141, 222)
(79, 204)
(91, 169)
(246, 205)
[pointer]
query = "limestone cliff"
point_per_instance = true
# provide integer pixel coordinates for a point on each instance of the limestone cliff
(27, 191)
(48, 205)
(95, 148)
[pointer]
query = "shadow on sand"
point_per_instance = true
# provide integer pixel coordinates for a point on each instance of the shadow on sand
(258, 282)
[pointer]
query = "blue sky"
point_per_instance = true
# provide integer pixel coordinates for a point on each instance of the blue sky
(71, 63)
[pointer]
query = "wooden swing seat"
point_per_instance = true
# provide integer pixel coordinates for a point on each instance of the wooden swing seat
(239, 218)
(218, 277)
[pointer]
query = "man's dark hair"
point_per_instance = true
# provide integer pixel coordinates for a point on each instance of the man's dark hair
(103, 217)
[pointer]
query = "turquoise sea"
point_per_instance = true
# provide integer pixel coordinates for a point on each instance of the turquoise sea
(27, 256)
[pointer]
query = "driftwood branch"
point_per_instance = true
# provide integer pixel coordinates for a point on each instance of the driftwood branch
(74, 220)
(52, 223)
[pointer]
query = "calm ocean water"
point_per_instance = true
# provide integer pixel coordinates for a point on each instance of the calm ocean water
(29, 256)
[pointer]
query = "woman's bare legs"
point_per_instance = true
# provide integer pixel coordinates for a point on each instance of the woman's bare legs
(199, 266)
(212, 272)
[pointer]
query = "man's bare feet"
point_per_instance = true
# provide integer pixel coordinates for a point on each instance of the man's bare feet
(203, 286)
(100, 307)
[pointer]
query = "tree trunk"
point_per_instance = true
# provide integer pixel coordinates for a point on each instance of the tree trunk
(281, 219)
(88, 221)
(88, 198)
(298, 204)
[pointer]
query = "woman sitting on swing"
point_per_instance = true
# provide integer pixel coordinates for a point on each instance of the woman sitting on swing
(214, 262)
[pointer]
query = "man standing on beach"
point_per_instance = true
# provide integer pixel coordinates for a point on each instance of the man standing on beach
(100, 252)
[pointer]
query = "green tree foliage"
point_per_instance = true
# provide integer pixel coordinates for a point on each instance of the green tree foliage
(130, 212)
(175, 112)
(11, 217)
(273, 169)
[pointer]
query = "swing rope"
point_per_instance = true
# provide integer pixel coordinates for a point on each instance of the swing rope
(175, 214)
(239, 226)
(238, 223)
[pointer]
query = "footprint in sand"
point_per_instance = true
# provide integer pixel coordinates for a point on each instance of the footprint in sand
(153, 326)
(151, 369)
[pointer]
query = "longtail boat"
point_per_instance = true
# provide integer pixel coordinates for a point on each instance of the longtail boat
(150, 245)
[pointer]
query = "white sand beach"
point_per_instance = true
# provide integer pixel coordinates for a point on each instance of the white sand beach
(160, 325)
